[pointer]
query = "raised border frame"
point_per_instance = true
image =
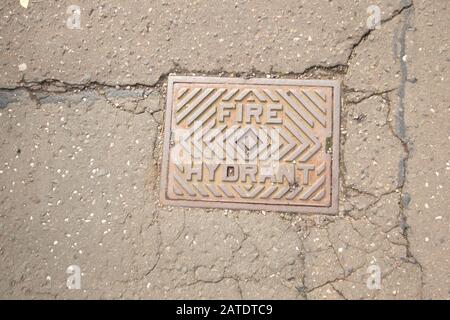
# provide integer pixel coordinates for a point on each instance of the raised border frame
(333, 209)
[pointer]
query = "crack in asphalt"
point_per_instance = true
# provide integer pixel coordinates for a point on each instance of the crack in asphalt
(400, 133)
(406, 4)
(56, 87)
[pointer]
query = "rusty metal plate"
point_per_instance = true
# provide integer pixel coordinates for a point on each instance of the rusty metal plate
(258, 144)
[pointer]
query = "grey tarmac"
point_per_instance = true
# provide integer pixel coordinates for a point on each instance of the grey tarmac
(81, 123)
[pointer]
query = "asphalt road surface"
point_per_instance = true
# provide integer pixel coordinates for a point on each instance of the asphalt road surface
(82, 93)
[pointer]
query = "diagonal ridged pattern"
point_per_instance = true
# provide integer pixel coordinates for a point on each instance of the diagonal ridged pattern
(258, 144)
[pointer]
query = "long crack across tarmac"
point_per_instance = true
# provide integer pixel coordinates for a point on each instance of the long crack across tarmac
(81, 153)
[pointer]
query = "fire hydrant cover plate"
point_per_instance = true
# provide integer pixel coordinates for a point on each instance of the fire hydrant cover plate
(256, 144)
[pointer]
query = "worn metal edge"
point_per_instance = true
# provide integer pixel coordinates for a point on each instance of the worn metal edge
(331, 210)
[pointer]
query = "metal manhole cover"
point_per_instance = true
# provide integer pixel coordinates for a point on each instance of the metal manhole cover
(258, 144)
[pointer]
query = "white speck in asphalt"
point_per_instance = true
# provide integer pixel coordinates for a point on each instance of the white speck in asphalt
(24, 3)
